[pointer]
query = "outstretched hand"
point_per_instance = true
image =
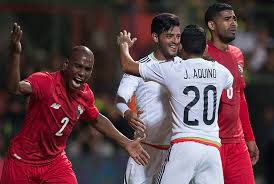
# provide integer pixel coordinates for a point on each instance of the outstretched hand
(15, 38)
(134, 121)
(137, 152)
(125, 38)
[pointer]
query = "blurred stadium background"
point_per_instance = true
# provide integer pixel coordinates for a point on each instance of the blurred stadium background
(52, 27)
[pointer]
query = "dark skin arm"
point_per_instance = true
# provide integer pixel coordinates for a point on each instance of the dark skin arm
(128, 64)
(14, 85)
(133, 147)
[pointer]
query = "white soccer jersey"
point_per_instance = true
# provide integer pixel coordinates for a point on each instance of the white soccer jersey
(153, 99)
(195, 86)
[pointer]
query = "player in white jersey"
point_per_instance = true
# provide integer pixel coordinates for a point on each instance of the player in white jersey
(195, 86)
(152, 100)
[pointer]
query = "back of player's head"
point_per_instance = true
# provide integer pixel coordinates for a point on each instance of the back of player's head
(193, 39)
(214, 10)
(163, 22)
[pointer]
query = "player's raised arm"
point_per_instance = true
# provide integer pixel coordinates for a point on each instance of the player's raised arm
(133, 147)
(13, 69)
(128, 64)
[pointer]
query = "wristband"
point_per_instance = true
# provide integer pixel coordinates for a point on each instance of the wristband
(122, 108)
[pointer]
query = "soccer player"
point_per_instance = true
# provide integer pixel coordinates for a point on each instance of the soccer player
(235, 130)
(195, 86)
(57, 102)
(152, 101)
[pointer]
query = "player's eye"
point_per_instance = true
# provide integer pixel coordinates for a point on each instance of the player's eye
(169, 36)
(77, 66)
(88, 69)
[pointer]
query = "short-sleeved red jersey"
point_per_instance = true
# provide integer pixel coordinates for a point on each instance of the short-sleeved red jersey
(51, 115)
(229, 120)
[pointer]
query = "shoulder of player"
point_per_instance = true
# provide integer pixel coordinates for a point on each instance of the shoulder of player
(221, 67)
(128, 77)
(41, 76)
(145, 59)
(87, 93)
(235, 50)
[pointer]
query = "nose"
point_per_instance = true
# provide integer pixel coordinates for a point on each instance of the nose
(234, 23)
(81, 73)
(176, 40)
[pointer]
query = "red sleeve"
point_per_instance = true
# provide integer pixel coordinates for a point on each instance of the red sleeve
(244, 116)
(40, 83)
(91, 111)
(241, 68)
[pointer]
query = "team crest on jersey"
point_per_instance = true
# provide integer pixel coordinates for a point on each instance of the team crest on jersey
(55, 105)
(79, 110)
(240, 69)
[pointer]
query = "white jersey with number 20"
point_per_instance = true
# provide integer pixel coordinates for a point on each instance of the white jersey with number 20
(195, 87)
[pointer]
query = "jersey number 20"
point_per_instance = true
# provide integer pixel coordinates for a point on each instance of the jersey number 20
(208, 88)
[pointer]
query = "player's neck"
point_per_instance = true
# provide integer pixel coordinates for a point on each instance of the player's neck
(191, 56)
(160, 56)
(219, 44)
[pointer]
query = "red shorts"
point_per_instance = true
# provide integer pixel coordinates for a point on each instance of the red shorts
(236, 163)
(17, 172)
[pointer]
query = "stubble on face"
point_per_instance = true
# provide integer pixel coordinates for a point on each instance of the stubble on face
(169, 42)
(79, 67)
(226, 26)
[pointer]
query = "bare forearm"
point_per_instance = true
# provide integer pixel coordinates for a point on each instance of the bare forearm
(128, 64)
(105, 126)
(13, 72)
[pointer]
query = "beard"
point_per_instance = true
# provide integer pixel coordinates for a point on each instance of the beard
(227, 39)
(166, 53)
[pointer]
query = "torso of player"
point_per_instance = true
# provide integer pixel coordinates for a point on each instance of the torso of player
(153, 99)
(229, 121)
(195, 98)
(48, 123)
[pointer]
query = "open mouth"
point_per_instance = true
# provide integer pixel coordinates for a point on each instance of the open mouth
(77, 82)
(233, 31)
(173, 48)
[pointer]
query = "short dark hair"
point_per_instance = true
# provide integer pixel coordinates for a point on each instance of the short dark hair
(214, 10)
(193, 39)
(163, 22)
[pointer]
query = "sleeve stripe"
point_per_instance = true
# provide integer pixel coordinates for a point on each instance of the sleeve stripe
(144, 60)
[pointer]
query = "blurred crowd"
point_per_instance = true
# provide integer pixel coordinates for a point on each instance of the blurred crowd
(50, 32)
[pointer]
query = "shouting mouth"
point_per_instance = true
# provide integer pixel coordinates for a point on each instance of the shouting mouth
(77, 82)
(173, 48)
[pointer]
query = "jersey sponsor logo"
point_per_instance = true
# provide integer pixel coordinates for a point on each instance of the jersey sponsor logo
(79, 110)
(240, 69)
(55, 106)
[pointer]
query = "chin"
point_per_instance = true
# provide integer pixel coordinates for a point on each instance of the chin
(173, 54)
(228, 39)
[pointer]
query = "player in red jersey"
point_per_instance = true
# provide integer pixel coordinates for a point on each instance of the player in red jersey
(57, 102)
(239, 150)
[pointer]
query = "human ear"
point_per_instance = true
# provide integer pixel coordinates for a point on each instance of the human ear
(65, 64)
(154, 37)
(211, 25)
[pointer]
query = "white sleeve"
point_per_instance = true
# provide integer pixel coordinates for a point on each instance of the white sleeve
(128, 86)
(152, 72)
(229, 79)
